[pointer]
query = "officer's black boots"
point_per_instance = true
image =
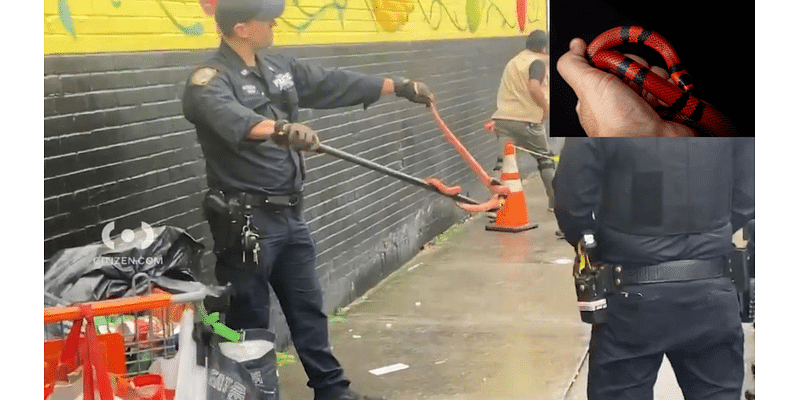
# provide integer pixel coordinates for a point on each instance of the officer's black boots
(345, 394)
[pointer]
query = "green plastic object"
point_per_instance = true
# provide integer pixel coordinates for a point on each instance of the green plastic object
(218, 327)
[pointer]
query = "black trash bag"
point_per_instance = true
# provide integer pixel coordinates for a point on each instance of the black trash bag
(247, 370)
(123, 267)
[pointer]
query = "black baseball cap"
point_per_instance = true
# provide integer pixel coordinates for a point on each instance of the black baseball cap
(232, 12)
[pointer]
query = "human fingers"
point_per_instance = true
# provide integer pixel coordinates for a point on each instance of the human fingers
(661, 72)
(674, 129)
(646, 95)
(575, 69)
(424, 94)
(303, 137)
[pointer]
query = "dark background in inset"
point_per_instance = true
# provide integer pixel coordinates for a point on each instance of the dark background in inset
(715, 41)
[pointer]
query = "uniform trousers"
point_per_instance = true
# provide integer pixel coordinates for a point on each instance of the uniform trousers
(532, 137)
(695, 324)
(287, 263)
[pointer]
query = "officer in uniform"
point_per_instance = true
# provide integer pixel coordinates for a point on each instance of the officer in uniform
(244, 105)
(523, 104)
(664, 209)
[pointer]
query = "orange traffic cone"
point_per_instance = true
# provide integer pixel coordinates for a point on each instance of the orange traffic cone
(513, 214)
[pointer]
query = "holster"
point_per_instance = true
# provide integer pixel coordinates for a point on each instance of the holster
(226, 219)
(592, 286)
(739, 269)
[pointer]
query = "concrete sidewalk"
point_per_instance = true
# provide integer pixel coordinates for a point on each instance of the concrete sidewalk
(476, 315)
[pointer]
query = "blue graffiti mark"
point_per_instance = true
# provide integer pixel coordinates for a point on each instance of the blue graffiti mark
(66, 17)
(340, 8)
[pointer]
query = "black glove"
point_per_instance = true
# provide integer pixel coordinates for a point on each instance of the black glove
(414, 91)
(298, 136)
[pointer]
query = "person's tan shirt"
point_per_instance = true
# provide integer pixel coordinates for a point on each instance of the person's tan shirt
(514, 100)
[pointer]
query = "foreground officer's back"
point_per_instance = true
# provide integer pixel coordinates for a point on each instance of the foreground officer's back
(656, 199)
(664, 209)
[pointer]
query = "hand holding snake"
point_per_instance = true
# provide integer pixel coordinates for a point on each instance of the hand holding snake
(643, 102)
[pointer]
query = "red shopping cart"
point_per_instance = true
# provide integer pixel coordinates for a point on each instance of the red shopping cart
(104, 349)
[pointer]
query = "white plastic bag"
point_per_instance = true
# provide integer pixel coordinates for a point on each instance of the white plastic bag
(246, 351)
(191, 378)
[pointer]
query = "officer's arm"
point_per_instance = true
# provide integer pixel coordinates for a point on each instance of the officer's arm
(540, 94)
(319, 87)
(743, 200)
(211, 102)
(388, 86)
(577, 186)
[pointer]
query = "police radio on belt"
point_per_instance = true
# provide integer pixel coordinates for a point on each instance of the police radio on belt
(593, 280)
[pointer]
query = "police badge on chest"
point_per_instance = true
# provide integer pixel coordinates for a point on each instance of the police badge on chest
(283, 81)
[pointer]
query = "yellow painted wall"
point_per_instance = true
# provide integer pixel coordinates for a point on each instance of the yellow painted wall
(96, 26)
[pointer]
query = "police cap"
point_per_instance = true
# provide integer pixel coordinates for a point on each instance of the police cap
(231, 12)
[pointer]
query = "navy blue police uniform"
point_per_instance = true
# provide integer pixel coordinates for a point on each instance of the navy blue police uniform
(665, 210)
(224, 99)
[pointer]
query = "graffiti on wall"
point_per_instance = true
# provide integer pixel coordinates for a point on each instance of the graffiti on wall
(84, 26)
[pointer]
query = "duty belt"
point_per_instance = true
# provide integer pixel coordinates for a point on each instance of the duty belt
(675, 271)
(269, 201)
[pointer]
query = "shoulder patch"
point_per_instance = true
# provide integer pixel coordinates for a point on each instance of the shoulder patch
(202, 76)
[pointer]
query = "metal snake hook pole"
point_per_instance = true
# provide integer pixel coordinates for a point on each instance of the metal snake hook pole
(388, 171)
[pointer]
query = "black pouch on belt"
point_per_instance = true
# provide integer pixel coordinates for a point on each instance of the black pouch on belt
(738, 261)
(226, 219)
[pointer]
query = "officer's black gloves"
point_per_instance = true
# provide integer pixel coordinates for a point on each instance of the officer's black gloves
(298, 136)
(414, 91)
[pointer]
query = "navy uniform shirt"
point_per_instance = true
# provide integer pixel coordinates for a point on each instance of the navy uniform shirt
(224, 99)
(653, 200)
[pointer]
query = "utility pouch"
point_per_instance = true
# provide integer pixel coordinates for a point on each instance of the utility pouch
(226, 218)
(739, 271)
(593, 282)
(592, 285)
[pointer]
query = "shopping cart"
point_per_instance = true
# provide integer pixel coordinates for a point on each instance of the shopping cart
(116, 339)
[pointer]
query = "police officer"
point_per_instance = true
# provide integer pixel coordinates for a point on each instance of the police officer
(523, 104)
(244, 105)
(665, 210)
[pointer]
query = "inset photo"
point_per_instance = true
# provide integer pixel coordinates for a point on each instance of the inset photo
(621, 69)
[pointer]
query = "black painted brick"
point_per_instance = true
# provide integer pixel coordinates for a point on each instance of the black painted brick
(100, 165)
(52, 86)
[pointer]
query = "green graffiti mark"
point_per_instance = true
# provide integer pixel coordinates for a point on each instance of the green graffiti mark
(442, 10)
(194, 30)
(66, 17)
(535, 12)
(499, 11)
(473, 10)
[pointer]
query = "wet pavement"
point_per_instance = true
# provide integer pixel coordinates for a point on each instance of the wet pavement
(476, 315)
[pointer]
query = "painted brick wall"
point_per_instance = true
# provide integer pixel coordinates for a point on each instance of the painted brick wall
(117, 148)
(92, 26)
